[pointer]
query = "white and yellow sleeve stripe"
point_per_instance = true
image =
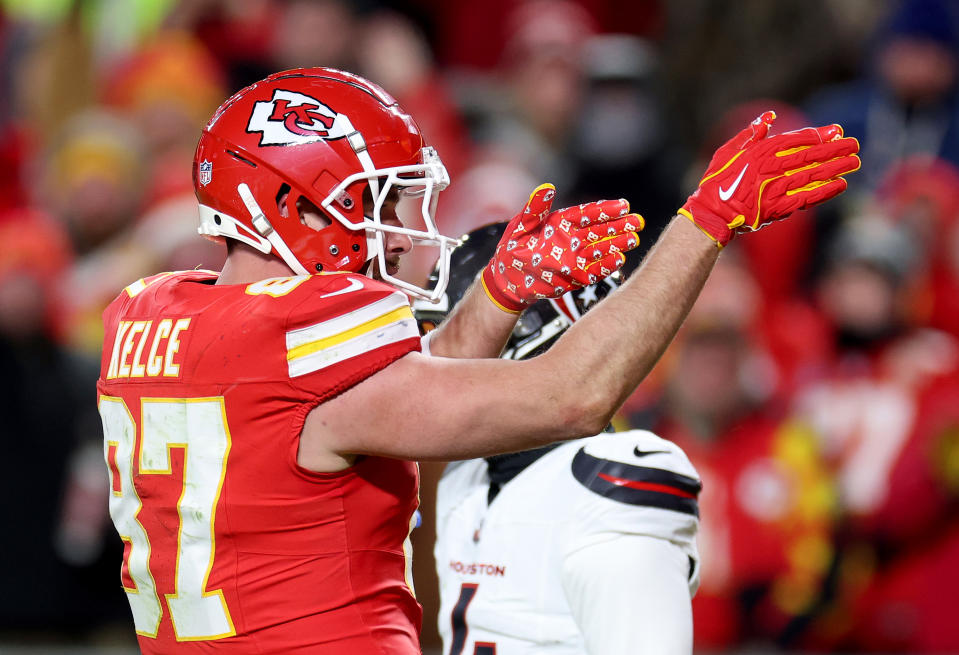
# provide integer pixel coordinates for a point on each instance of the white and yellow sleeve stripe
(378, 324)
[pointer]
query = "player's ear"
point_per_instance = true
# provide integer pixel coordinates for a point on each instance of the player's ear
(307, 211)
(311, 215)
(281, 197)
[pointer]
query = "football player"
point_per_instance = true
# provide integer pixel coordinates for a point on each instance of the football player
(582, 547)
(261, 423)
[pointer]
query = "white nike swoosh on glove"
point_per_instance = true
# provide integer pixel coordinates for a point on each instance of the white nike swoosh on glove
(726, 194)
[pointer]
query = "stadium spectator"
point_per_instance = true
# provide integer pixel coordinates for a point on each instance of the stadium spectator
(392, 53)
(166, 88)
(907, 102)
(92, 181)
(924, 196)
(47, 418)
(884, 417)
(620, 138)
(529, 117)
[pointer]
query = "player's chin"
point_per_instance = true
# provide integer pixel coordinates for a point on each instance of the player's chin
(392, 268)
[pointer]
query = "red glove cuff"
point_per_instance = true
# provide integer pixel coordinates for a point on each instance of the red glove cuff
(495, 295)
(710, 223)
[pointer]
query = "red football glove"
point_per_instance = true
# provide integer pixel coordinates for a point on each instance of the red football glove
(754, 179)
(544, 254)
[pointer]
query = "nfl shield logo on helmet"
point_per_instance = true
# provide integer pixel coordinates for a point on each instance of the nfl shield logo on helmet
(205, 172)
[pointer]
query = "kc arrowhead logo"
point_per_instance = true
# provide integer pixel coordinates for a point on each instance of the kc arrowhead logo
(292, 118)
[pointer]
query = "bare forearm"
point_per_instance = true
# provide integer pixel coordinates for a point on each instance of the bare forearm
(475, 329)
(573, 389)
(588, 374)
(477, 407)
(474, 407)
(607, 354)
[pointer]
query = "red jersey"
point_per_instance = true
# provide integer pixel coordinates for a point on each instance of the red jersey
(230, 546)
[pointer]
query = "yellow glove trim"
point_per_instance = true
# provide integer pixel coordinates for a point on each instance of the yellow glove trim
(792, 151)
(493, 300)
(805, 168)
(544, 185)
(759, 201)
(724, 167)
(810, 186)
(688, 215)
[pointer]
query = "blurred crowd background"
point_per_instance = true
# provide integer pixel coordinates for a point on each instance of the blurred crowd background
(815, 385)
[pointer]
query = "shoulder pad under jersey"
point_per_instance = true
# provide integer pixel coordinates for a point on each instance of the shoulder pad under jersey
(459, 479)
(342, 317)
(638, 468)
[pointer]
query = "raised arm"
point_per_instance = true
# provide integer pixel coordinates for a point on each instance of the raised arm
(436, 408)
(476, 328)
(428, 408)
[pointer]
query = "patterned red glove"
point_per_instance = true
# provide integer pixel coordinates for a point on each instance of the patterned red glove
(755, 179)
(544, 254)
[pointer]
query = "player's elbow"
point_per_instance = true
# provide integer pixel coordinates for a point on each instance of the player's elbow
(588, 413)
(575, 406)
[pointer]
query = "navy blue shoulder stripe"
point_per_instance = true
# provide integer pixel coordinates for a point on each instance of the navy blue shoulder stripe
(637, 485)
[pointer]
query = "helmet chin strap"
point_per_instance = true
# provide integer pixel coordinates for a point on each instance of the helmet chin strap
(263, 226)
(358, 144)
(374, 243)
(368, 268)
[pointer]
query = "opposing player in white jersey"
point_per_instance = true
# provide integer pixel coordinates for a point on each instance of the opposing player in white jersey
(582, 547)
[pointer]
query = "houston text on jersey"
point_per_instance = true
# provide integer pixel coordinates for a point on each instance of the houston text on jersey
(477, 568)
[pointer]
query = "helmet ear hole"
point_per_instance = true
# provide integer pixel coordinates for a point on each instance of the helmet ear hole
(311, 215)
(281, 197)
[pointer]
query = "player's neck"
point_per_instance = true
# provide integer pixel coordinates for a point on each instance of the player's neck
(245, 265)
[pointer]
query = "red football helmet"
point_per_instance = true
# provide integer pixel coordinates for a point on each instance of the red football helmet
(326, 136)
